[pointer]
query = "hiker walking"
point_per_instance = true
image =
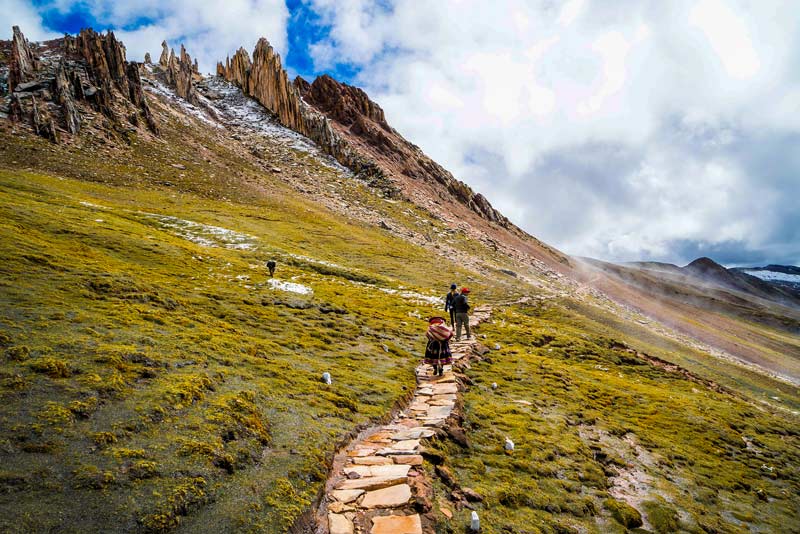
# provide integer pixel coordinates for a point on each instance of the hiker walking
(271, 267)
(448, 303)
(462, 312)
(437, 351)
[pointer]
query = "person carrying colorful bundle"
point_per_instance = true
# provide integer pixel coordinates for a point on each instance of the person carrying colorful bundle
(437, 351)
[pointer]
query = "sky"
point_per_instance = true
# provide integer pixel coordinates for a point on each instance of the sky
(626, 130)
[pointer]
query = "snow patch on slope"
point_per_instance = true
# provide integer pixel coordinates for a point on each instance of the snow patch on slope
(244, 112)
(204, 234)
(291, 287)
(773, 276)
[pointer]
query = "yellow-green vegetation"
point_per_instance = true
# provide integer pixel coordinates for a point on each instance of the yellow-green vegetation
(151, 373)
(153, 378)
(605, 440)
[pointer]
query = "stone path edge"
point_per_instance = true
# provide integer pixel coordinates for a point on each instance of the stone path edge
(375, 476)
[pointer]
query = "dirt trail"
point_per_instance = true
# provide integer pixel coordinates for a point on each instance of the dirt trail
(376, 479)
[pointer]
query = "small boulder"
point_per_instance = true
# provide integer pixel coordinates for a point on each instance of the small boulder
(446, 475)
(471, 495)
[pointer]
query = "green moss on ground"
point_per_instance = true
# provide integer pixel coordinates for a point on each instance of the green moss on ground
(587, 416)
(168, 360)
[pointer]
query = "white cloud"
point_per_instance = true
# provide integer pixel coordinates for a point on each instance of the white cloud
(501, 89)
(23, 14)
(729, 37)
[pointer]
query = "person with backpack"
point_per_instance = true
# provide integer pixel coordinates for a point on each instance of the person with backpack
(437, 351)
(461, 306)
(448, 303)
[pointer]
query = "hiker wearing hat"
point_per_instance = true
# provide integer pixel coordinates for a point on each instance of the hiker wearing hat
(437, 351)
(462, 312)
(448, 303)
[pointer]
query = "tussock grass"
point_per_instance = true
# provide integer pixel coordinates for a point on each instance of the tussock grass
(161, 383)
(591, 410)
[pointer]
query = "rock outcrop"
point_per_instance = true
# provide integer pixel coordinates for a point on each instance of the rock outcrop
(178, 72)
(52, 91)
(64, 95)
(264, 79)
(180, 75)
(355, 115)
(349, 126)
(343, 103)
(23, 62)
(164, 59)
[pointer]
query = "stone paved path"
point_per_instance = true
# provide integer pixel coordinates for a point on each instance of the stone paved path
(371, 490)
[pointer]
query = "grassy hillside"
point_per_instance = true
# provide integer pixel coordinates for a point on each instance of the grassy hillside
(149, 369)
(603, 437)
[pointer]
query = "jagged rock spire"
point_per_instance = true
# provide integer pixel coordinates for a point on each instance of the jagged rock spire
(23, 62)
(179, 72)
(164, 59)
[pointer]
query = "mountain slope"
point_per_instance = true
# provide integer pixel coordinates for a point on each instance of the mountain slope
(154, 374)
(727, 311)
(786, 277)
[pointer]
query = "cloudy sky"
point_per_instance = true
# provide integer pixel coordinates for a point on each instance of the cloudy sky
(620, 130)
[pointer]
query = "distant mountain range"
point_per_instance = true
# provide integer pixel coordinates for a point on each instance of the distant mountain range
(779, 283)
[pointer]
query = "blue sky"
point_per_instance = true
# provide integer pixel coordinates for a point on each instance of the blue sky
(621, 130)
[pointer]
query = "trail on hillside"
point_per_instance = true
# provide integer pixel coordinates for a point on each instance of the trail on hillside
(377, 478)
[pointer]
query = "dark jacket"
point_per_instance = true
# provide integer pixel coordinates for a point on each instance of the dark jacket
(460, 304)
(448, 301)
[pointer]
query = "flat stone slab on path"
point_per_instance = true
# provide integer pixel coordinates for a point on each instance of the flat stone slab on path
(439, 412)
(408, 459)
(361, 452)
(445, 388)
(371, 460)
(371, 483)
(390, 497)
(396, 524)
(339, 524)
(406, 445)
(390, 470)
(413, 433)
(347, 496)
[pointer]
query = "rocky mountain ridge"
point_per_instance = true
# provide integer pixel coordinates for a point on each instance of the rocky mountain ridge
(46, 81)
(57, 86)
(349, 126)
(706, 270)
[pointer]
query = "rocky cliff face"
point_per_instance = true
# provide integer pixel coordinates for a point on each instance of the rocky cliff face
(349, 126)
(356, 116)
(53, 85)
(264, 79)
